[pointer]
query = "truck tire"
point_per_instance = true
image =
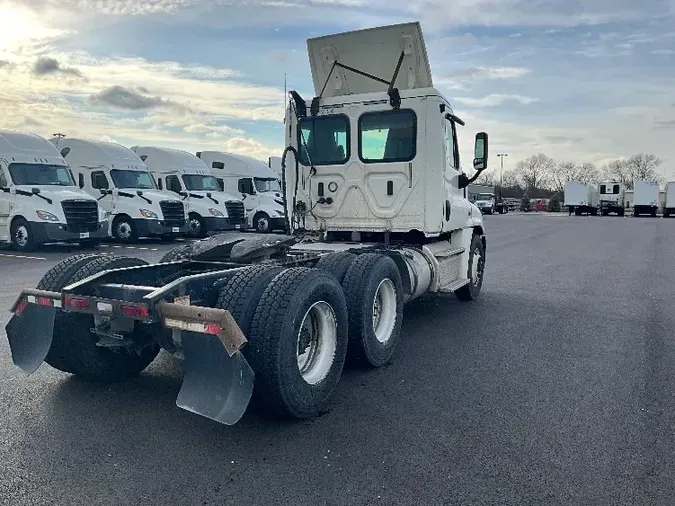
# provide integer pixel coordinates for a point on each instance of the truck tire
(197, 227)
(620, 212)
(178, 253)
(262, 223)
(124, 230)
(471, 290)
(336, 264)
(242, 292)
(74, 348)
(22, 235)
(299, 304)
(374, 292)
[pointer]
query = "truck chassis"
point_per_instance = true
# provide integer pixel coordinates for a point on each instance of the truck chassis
(274, 312)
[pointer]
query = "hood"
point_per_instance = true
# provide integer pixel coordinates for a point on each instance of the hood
(375, 51)
(154, 195)
(57, 193)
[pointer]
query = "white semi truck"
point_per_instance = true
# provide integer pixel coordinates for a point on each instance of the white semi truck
(581, 198)
(209, 208)
(669, 206)
(124, 187)
(39, 201)
(611, 198)
(645, 198)
(258, 185)
(373, 195)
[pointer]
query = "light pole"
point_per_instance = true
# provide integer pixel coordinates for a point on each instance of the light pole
(501, 172)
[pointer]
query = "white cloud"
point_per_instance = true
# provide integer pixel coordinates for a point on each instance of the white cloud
(495, 99)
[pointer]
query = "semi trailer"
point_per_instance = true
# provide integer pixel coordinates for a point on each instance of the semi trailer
(645, 198)
(581, 198)
(373, 197)
(669, 206)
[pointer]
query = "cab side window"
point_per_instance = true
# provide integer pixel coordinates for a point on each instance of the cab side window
(450, 148)
(173, 184)
(246, 186)
(3, 179)
(99, 181)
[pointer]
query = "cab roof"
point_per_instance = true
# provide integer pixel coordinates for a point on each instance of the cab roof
(237, 164)
(93, 153)
(26, 147)
(168, 159)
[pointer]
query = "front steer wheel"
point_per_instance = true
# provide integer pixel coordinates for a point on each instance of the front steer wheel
(74, 349)
(298, 343)
(471, 290)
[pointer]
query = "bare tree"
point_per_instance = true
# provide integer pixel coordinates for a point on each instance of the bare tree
(487, 179)
(535, 170)
(511, 179)
(563, 172)
(642, 167)
(618, 170)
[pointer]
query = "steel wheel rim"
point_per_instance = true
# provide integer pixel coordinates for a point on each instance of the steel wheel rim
(124, 230)
(262, 223)
(21, 235)
(317, 342)
(477, 267)
(384, 310)
(195, 226)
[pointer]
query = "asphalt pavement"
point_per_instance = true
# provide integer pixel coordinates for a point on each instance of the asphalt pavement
(556, 387)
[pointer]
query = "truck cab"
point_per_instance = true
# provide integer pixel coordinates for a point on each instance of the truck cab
(39, 200)
(611, 198)
(258, 184)
(485, 202)
(124, 187)
(209, 208)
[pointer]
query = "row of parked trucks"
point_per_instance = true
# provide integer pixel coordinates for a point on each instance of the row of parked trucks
(610, 197)
(82, 190)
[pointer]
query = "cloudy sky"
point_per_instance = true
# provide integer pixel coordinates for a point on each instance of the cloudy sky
(579, 80)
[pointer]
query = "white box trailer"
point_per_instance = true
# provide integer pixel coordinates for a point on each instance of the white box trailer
(581, 198)
(645, 198)
(39, 201)
(669, 206)
(611, 198)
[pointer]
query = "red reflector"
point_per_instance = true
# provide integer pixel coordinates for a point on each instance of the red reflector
(20, 307)
(135, 311)
(212, 328)
(78, 303)
(45, 301)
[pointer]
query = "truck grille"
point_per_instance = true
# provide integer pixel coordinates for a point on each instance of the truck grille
(81, 215)
(174, 213)
(235, 212)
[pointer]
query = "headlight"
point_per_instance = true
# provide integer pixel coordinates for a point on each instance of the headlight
(103, 215)
(44, 215)
(216, 213)
(146, 213)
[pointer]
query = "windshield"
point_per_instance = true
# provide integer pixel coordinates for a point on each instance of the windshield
(197, 182)
(37, 174)
(136, 179)
(484, 196)
(267, 184)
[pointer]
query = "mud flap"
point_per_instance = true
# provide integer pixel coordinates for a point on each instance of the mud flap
(216, 385)
(29, 333)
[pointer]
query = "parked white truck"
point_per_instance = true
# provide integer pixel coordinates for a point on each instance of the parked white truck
(259, 186)
(124, 187)
(669, 206)
(209, 208)
(611, 197)
(39, 201)
(377, 217)
(581, 198)
(645, 198)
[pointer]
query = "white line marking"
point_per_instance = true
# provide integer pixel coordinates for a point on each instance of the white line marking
(22, 256)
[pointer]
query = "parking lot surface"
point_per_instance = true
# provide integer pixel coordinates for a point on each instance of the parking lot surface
(556, 387)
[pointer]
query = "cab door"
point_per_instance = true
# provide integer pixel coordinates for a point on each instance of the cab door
(456, 208)
(6, 203)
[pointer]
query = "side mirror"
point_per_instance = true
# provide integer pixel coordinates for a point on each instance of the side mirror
(480, 152)
(218, 165)
(243, 195)
(208, 194)
(182, 194)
